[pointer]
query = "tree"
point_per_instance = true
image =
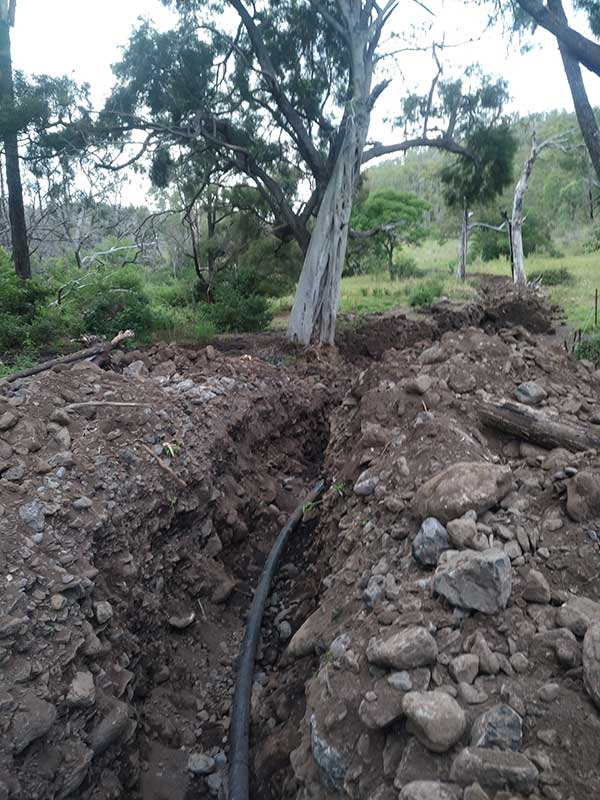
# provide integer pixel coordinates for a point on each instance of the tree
(575, 49)
(392, 219)
(517, 218)
(479, 181)
(281, 94)
(8, 133)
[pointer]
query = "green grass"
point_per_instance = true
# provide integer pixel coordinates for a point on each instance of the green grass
(364, 294)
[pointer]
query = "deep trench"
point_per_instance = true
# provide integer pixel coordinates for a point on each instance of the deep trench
(184, 679)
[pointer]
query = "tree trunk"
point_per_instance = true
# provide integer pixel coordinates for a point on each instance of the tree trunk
(314, 313)
(389, 246)
(516, 226)
(461, 272)
(535, 426)
(16, 208)
(583, 110)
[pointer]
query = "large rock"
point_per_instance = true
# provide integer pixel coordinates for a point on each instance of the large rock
(379, 712)
(474, 580)
(32, 720)
(407, 649)
(435, 718)
(429, 790)
(332, 764)
(583, 495)
(591, 662)
(430, 542)
(577, 614)
(530, 393)
(494, 769)
(461, 487)
(499, 727)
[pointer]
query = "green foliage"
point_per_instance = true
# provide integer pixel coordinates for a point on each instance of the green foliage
(425, 293)
(238, 306)
(589, 349)
(405, 266)
(555, 276)
(468, 181)
(592, 245)
(537, 238)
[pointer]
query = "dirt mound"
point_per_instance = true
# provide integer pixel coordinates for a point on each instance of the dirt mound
(487, 649)
(506, 305)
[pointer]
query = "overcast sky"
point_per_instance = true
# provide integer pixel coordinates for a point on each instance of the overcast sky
(83, 38)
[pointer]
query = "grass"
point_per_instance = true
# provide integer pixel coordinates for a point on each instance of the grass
(364, 294)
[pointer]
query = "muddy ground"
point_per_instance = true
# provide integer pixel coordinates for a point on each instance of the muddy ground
(452, 659)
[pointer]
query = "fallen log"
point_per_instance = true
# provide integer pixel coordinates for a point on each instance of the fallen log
(535, 426)
(80, 355)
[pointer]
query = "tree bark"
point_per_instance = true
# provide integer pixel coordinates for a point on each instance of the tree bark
(461, 272)
(317, 298)
(16, 207)
(518, 255)
(583, 110)
(534, 426)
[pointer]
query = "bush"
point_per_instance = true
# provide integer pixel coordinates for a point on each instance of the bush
(238, 306)
(425, 293)
(490, 245)
(555, 276)
(405, 266)
(114, 301)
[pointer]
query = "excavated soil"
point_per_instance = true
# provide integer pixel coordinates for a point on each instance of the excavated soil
(139, 501)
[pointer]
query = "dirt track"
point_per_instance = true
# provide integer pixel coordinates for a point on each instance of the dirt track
(133, 537)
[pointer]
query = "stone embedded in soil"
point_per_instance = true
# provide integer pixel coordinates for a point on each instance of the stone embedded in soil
(429, 790)
(82, 691)
(366, 484)
(461, 487)
(332, 764)
(420, 385)
(530, 393)
(111, 728)
(494, 769)
(499, 727)
(488, 660)
(374, 589)
(461, 381)
(577, 614)
(583, 495)
(473, 580)
(591, 662)
(464, 668)
(435, 718)
(32, 720)
(103, 611)
(200, 764)
(33, 515)
(464, 535)
(386, 708)
(408, 648)
(537, 589)
(8, 420)
(430, 542)
(182, 621)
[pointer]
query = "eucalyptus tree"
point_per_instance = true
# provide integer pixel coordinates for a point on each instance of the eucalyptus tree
(281, 93)
(9, 134)
(468, 183)
(576, 50)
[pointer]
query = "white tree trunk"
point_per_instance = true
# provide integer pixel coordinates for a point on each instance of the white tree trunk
(517, 218)
(461, 272)
(518, 254)
(317, 298)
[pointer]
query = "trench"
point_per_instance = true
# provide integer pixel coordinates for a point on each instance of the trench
(184, 624)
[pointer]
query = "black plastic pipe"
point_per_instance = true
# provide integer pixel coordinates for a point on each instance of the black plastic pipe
(239, 731)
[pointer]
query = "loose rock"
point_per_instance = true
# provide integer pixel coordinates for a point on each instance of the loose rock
(435, 718)
(472, 580)
(407, 649)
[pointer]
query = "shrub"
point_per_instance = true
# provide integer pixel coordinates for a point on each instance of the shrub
(405, 266)
(425, 293)
(238, 306)
(490, 245)
(114, 301)
(555, 276)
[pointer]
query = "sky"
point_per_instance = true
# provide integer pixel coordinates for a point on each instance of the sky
(83, 38)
